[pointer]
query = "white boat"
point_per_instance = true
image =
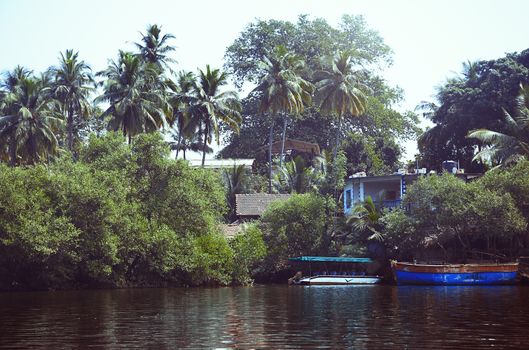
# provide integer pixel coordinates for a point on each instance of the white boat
(337, 271)
(338, 280)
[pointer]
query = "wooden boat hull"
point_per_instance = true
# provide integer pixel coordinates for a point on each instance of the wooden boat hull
(339, 280)
(456, 274)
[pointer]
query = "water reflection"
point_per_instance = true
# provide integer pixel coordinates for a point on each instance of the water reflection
(268, 317)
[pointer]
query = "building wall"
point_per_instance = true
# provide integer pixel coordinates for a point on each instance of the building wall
(376, 189)
(358, 189)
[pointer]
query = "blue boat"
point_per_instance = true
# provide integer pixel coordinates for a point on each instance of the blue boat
(455, 274)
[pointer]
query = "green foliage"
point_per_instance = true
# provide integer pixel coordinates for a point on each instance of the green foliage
(364, 221)
(213, 107)
(513, 145)
(36, 247)
(29, 120)
(458, 217)
(121, 215)
(297, 176)
(135, 92)
(334, 171)
(514, 181)
(297, 226)
(236, 181)
(374, 155)
(312, 41)
(71, 87)
(474, 100)
(249, 249)
(154, 47)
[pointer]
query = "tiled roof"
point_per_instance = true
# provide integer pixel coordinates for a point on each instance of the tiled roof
(255, 204)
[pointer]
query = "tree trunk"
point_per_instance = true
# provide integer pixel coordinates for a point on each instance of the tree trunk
(178, 144)
(283, 137)
(338, 136)
(184, 153)
(270, 140)
(335, 174)
(69, 121)
(204, 146)
(12, 151)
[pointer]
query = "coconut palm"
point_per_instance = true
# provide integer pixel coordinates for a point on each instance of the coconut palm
(364, 220)
(9, 83)
(30, 122)
(236, 181)
(283, 91)
(154, 49)
(136, 96)
(297, 176)
(184, 142)
(339, 93)
(13, 78)
(72, 87)
(181, 98)
(214, 106)
(511, 145)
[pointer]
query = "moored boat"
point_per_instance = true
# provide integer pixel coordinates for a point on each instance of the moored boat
(455, 274)
(332, 271)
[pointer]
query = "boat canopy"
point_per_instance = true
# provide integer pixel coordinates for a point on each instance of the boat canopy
(330, 259)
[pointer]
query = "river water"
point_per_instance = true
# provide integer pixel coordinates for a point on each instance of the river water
(271, 316)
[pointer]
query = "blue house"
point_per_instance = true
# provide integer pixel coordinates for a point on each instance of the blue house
(386, 191)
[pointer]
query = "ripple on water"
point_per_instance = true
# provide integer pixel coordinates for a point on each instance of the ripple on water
(269, 317)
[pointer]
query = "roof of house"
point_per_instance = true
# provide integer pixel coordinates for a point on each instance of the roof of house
(393, 177)
(221, 163)
(331, 259)
(294, 145)
(255, 204)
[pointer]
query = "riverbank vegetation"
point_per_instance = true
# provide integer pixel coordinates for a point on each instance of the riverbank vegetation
(121, 215)
(91, 195)
(450, 220)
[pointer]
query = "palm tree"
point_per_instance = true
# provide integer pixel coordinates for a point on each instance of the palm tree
(136, 96)
(181, 98)
(339, 93)
(30, 122)
(191, 141)
(364, 220)
(213, 106)
(154, 49)
(13, 78)
(236, 181)
(283, 91)
(513, 144)
(71, 88)
(297, 177)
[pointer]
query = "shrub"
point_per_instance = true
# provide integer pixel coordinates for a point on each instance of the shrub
(297, 226)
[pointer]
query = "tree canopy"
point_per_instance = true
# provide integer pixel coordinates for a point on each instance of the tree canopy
(476, 99)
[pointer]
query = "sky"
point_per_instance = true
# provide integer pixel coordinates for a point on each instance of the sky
(430, 39)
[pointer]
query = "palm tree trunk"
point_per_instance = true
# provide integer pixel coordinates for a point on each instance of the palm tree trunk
(338, 136)
(178, 144)
(270, 140)
(335, 173)
(69, 121)
(12, 151)
(204, 146)
(281, 155)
